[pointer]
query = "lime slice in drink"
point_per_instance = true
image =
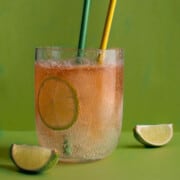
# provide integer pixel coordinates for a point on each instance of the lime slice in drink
(153, 135)
(57, 103)
(33, 159)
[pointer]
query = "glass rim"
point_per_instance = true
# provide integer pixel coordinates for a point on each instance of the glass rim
(81, 56)
(73, 49)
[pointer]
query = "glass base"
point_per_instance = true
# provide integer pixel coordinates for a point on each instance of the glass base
(74, 161)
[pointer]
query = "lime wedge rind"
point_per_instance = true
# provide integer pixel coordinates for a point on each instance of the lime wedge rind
(28, 163)
(153, 135)
(75, 107)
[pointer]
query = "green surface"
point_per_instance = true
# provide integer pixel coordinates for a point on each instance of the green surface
(147, 30)
(130, 160)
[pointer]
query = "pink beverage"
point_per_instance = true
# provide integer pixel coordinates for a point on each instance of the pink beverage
(79, 106)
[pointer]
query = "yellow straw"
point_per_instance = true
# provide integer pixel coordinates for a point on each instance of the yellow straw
(107, 28)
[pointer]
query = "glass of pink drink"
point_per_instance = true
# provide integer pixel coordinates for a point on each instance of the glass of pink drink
(79, 101)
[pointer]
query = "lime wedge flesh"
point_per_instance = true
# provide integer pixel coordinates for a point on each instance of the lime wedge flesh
(33, 159)
(57, 103)
(153, 135)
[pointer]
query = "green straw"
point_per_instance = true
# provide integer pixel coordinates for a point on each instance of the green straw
(83, 31)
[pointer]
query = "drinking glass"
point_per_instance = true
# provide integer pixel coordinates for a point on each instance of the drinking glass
(79, 101)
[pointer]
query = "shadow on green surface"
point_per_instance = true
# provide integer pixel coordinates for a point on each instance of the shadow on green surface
(11, 168)
(136, 146)
(131, 146)
(4, 152)
(8, 167)
(5, 159)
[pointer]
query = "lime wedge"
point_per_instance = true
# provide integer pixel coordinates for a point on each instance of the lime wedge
(153, 135)
(57, 103)
(33, 159)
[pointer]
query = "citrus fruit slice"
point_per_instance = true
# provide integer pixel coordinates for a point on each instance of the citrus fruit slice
(153, 135)
(34, 159)
(57, 103)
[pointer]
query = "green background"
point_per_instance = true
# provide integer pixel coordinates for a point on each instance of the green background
(148, 30)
